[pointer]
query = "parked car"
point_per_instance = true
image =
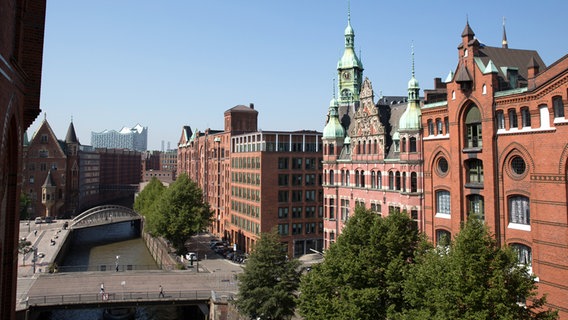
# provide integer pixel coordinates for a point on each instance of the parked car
(38, 220)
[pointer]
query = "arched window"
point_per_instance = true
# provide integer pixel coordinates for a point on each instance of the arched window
(412, 145)
(544, 116)
(404, 182)
(375, 146)
(364, 146)
(362, 179)
(558, 107)
(443, 202)
(331, 179)
(443, 237)
(391, 180)
(348, 177)
(526, 117)
(342, 177)
(524, 253)
(403, 145)
(473, 128)
(397, 181)
(373, 182)
(357, 178)
(513, 122)
(379, 180)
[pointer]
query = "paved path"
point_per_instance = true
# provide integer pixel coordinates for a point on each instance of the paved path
(215, 273)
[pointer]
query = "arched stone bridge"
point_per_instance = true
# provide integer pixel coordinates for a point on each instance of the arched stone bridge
(106, 214)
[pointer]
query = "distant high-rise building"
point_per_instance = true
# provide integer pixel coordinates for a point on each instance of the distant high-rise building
(135, 138)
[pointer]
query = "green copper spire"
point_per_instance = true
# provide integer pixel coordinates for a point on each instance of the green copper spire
(333, 129)
(349, 67)
(410, 119)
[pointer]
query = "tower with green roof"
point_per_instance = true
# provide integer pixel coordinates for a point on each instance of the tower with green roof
(349, 69)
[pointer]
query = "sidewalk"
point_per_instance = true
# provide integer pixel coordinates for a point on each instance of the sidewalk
(46, 253)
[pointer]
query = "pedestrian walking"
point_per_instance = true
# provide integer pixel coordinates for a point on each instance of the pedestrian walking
(161, 295)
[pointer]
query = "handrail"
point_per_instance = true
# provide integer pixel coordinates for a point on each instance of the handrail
(126, 296)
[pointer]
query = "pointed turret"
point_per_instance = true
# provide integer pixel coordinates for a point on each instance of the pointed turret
(333, 129)
(71, 137)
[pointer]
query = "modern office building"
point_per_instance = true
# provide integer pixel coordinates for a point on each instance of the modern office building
(135, 139)
(258, 180)
(496, 147)
(22, 26)
(372, 153)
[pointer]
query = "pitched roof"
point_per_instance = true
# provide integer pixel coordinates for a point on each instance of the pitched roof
(504, 58)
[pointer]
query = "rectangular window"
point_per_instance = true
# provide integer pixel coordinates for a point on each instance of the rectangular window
(43, 153)
(475, 206)
(283, 213)
(43, 138)
(519, 210)
(296, 228)
(297, 212)
(282, 163)
(475, 171)
(283, 196)
(310, 179)
(443, 202)
(283, 229)
(296, 163)
(430, 127)
(310, 195)
(310, 212)
(331, 208)
(297, 179)
(282, 179)
(310, 163)
(297, 196)
(558, 106)
(320, 212)
(474, 135)
(439, 127)
(447, 125)
(376, 207)
(310, 227)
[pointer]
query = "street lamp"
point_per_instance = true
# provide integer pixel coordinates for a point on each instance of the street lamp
(116, 263)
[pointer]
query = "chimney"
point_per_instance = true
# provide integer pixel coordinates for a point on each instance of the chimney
(251, 105)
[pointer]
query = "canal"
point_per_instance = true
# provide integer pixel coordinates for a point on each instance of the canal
(106, 248)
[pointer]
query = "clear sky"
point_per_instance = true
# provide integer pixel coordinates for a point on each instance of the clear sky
(165, 64)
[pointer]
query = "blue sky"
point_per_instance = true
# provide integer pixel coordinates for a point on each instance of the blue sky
(166, 64)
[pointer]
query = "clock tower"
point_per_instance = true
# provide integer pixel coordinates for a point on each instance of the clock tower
(350, 70)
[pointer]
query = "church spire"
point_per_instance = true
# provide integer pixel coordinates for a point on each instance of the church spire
(349, 67)
(504, 43)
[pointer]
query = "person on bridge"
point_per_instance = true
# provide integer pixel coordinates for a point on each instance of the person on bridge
(161, 295)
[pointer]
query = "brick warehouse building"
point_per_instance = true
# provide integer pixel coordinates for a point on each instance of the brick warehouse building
(372, 151)
(257, 180)
(495, 145)
(80, 176)
(21, 50)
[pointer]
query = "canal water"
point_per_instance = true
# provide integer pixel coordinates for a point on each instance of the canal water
(103, 248)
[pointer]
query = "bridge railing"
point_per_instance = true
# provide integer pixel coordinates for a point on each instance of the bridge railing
(127, 296)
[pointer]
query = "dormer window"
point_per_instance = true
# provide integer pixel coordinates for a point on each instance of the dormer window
(465, 53)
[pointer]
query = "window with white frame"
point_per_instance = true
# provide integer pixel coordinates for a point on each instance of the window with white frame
(524, 254)
(443, 202)
(344, 209)
(473, 128)
(519, 210)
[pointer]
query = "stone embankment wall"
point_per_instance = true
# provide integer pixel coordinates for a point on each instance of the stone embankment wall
(159, 250)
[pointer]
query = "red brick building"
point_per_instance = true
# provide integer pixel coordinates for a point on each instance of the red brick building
(495, 146)
(258, 180)
(21, 51)
(79, 176)
(372, 151)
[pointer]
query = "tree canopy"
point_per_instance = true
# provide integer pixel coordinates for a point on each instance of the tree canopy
(362, 273)
(473, 278)
(269, 281)
(176, 213)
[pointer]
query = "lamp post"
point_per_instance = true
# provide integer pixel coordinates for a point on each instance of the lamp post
(29, 210)
(116, 263)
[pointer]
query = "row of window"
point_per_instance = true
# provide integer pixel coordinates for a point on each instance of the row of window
(440, 128)
(299, 195)
(246, 193)
(300, 212)
(245, 224)
(42, 166)
(299, 163)
(443, 237)
(397, 180)
(518, 207)
(297, 228)
(246, 177)
(245, 163)
(245, 208)
(299, 180)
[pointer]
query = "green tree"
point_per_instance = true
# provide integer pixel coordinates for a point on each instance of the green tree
(362, 273)
(473, 278)
(24, 246)
(180, 212)
(145, 203)
(269, 281)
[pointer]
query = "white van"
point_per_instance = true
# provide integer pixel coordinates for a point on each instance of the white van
(38, 220)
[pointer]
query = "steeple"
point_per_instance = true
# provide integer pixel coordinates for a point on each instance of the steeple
(333, 129)
(410, 119)
(349, 67)
(71, 137)
(504, 41)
